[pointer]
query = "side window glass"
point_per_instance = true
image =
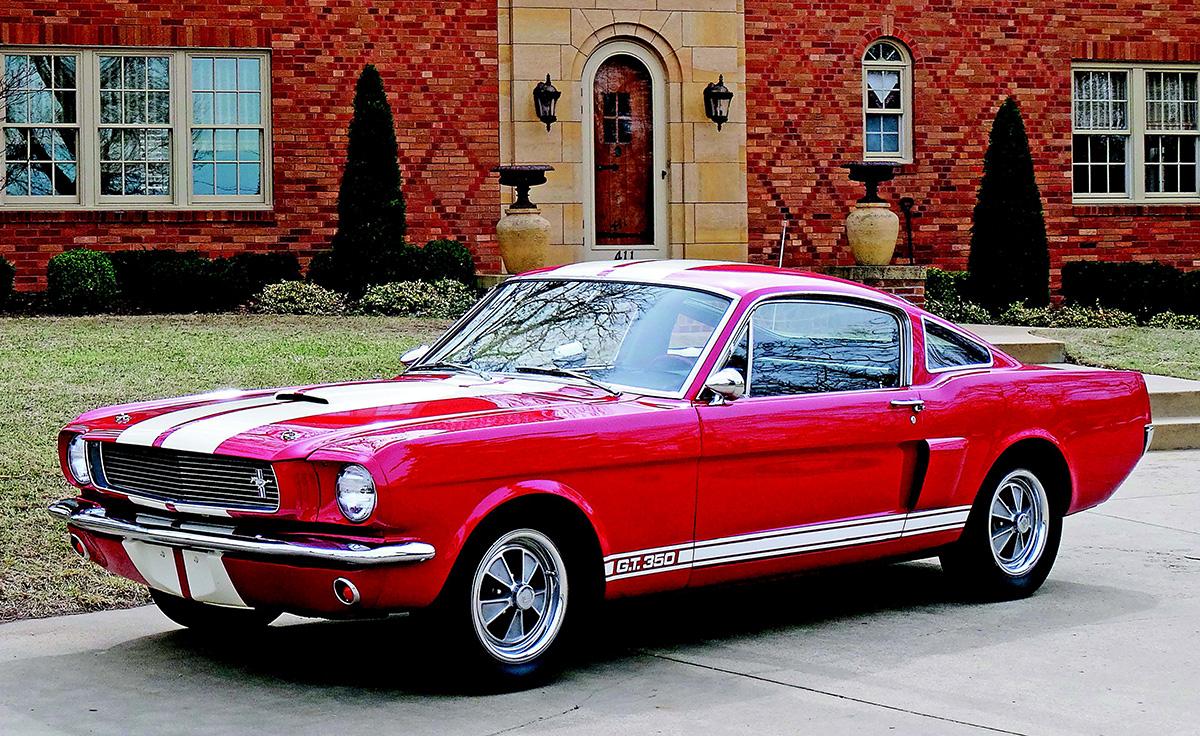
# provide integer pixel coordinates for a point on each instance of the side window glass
(739, 355)
(945, 348)
(813, 347)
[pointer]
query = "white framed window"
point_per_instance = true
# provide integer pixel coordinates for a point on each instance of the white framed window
(1135, 133)
(887, 102)
(123, 128)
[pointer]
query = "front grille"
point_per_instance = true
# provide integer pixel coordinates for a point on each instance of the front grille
(189, 477)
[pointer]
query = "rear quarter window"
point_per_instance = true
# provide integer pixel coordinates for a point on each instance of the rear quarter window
(946, 349)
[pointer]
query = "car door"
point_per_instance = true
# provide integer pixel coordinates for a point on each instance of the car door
(822, 450)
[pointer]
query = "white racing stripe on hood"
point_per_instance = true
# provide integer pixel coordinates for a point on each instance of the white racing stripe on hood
(206, 435)
(146, 431)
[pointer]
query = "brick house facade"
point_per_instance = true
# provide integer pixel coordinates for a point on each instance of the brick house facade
(460, 75)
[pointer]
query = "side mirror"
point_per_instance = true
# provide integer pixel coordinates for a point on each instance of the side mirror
(726, 384)
(412, 356)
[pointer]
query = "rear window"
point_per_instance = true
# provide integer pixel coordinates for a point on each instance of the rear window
(946, 349)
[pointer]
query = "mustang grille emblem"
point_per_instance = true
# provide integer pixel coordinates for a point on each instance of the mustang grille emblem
(260, 482)
(122, 418)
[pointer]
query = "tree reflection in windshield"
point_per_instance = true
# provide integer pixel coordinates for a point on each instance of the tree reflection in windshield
(637, 335)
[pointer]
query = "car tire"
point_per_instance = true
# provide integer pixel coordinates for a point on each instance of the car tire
(1011, 538)
(208, 618)
(509, 609)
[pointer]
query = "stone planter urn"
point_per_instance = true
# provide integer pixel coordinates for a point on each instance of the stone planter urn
(872, 227)
(523, 234)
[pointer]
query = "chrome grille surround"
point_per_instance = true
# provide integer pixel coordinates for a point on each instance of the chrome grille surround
(192, 478)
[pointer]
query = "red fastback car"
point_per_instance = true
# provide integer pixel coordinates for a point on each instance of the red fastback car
(602, 430)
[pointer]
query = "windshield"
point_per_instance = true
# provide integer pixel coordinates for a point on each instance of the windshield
(634, 335)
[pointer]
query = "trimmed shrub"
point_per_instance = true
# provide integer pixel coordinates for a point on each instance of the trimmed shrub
(81, 281)
(1173, 321)
(1144, 289)
(1069, 316)
(1010, 257)
(298, 297)
(371, 211)
(238, 278)
(164, 280)
(448, 259)
(7, 274)
(957, 309)
(445, 298)
(944, 286)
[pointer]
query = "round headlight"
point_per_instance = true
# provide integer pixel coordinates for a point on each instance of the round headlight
(77, 460)
(355, 493)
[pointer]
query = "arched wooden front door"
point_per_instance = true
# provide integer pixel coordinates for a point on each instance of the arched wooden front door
(624, 153)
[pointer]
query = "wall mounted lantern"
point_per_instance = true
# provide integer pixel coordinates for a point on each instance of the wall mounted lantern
(716, 101)
(545, 100)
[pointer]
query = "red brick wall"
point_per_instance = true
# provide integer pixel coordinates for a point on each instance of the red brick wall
(441, 53)
(805, 118)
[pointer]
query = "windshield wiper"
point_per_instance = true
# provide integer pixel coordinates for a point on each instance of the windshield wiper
(447, 366)
(566, 373)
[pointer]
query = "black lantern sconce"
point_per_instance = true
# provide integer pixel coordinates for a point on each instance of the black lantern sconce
(716, 102)
(545, 100)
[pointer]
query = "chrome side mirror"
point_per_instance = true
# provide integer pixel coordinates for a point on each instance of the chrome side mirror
(412, 356)
(727, 384)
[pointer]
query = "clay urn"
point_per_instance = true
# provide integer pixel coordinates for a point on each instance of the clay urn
(523, 234)
(872, 227)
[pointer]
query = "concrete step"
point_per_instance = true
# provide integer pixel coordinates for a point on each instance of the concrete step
(1176, 433)
(1019, 343)
(1173, 397)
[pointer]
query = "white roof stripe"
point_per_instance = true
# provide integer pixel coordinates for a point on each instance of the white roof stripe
(644, 271)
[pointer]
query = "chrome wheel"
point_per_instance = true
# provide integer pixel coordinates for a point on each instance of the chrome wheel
(1019, 522)
(519, 596)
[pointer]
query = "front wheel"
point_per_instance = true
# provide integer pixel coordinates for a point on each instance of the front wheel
(1011, 539)
(207, 618)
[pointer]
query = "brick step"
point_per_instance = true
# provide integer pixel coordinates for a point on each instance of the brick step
(1019, 343)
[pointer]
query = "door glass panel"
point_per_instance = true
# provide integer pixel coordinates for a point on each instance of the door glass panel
(813, 347)
(945, 348)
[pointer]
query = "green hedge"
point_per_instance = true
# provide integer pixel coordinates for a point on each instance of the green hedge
(1143, 289)
(7, 274)
(81, 281)
(175, 281)
(299, 297)
(445, 298)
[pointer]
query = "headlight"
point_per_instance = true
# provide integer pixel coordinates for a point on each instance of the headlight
(78, 461)
(355, 493)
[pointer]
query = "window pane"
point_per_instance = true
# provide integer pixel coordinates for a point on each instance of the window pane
(135, 107)
(801, 348)
(202, 145)
(41, 105)
(110, 144)
(202, 178)
(226, 108)
(248, 74)
(248, 145)
(41, 182)
(64, 107)
(110, 72)
(1100, 100)
(111, 180)
(135, 72)
(1106, 156)
(1171, 101)
(110, 107)
(226, 181)
(158, 179)
(17, 180)
(225, 76)
(248, 109)
(202, 108)
(248, 179)
(883, 89)
(158, 144)
(225, 148)
(158, 73)
(135, 179)
(158, 106)
(16, 144)
(65, 176)
(64, 72)
(202, 73)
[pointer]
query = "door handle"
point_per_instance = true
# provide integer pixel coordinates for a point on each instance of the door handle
(915, 404)
(607, 167)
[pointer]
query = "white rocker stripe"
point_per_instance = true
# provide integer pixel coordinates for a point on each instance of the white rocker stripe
(207, 434)
(781, 542)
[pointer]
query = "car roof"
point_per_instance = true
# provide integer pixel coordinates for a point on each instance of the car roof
(733, 279)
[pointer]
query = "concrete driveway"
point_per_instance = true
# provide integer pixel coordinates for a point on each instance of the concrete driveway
(1110, 645)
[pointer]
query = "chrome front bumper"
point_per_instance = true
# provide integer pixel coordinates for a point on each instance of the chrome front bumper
(218, 538)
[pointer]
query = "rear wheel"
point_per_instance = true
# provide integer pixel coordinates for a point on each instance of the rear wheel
(1011, 539)
(208, 618)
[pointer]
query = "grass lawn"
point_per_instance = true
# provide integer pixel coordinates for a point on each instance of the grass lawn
(53, 369)
(1145, 349)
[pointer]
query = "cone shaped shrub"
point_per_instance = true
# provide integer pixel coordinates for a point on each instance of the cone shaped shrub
(1010, 260)
(371, 214)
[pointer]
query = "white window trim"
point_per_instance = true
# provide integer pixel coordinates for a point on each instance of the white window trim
(1135, 171)
(87, 103)
(905, 113)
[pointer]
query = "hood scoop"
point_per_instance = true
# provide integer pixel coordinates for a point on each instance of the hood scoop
(297, 396)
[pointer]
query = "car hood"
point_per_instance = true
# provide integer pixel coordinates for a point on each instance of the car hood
(292, 423)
